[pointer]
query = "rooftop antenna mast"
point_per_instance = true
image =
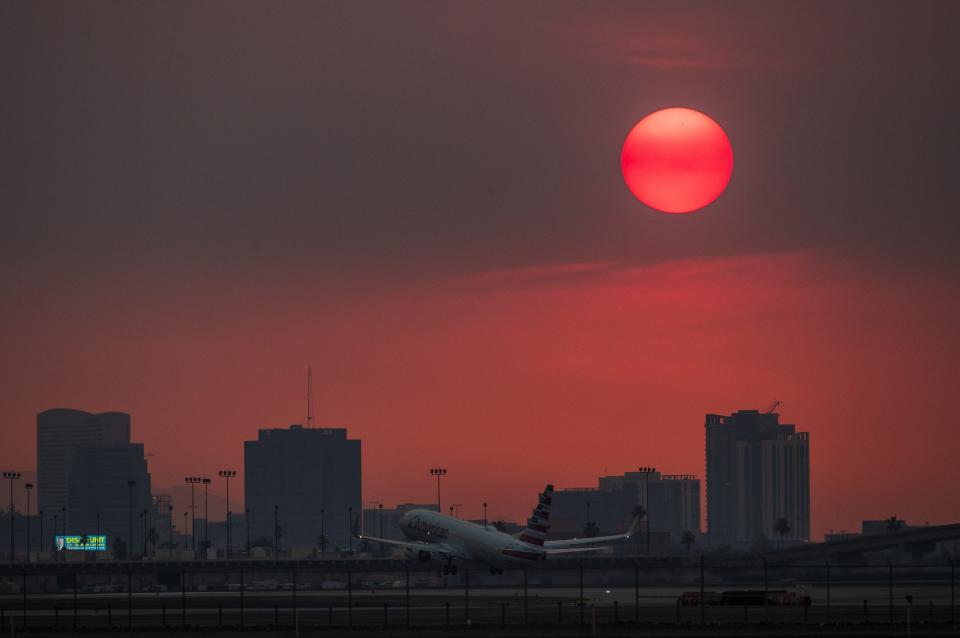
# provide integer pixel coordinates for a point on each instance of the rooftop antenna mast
(309, 397)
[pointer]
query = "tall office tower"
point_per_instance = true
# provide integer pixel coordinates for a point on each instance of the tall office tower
(60, 432)
(758, 471)
(301, 472)
(100, 498)
(671, 501)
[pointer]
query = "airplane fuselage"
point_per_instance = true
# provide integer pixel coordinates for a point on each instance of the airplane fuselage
(484, 544)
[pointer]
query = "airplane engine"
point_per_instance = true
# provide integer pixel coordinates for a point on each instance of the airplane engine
(423, 555)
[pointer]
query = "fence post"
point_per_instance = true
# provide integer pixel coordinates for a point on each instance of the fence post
(559, 612)
(74, 598)
(766, 592)
(616, 612)
(293, 569)
(865, 619)
(241, 598)
(276, 615)
(581, 595)
(524, 595)
(385, 617)
(24, 600)
(406, 570)
(827, 564)
(890, 581)
(466, 593)
(129, 598)
(636, 592)
(953, 592)
(219, 615)
(183, 597)
(702, 593)
(503, 614)
(349, 598)
(163, 616)
(109, 615)
(447, 616)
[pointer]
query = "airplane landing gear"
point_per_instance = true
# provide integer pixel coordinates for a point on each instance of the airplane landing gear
(450, 569)
(496, 571)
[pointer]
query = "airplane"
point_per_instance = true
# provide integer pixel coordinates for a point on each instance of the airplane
(431, 533)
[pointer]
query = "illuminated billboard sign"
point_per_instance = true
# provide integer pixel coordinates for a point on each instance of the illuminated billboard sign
(81, 543)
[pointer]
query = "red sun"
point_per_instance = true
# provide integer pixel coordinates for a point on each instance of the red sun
(677, 160)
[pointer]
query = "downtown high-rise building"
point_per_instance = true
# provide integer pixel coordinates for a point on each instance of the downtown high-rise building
(61, 432)
(109, 494)
(671, 502)
(301, 481)
(758, 472)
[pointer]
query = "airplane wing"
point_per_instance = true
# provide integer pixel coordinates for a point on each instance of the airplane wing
(578, 542)
(444, 549)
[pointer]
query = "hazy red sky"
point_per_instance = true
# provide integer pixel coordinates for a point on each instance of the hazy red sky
(423, 201)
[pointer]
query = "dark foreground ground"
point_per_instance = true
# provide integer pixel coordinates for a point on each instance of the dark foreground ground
(624, 630)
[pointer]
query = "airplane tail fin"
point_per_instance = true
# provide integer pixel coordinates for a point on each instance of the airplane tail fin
(539, 522)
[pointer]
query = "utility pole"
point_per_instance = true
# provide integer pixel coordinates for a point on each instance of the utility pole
(227, 475)
(29, 487)
(130, 485)
(11, 476)
(309, 397)
(438, 472)
(206, 516)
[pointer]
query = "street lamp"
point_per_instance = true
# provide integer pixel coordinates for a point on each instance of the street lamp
(206, 516)
(29, 487)
(184, 531)
(379, 505)
(130, 485)
(11, 476)
(192, 480)
(438, 472)
(227, 475)
(143, 533)
(646, 471)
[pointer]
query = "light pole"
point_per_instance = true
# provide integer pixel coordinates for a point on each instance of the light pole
(276, 529)
(184, 531)
(323, 535)
(192, 480)
(246, 519)
(206, 516)
(646, 486)
(143, 533)
(130, 485)
(227, 475)
(170, 526)
(350, 529)
(40, 549)
(438, 472)
(29, 487)
(11, 476)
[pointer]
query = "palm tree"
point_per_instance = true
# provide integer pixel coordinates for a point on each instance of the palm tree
(894, 524)
(782, 527)
(687, 539)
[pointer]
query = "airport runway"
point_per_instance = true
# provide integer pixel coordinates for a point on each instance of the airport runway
(487, 606)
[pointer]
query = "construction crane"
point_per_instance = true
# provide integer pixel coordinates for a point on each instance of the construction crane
(773, 406)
